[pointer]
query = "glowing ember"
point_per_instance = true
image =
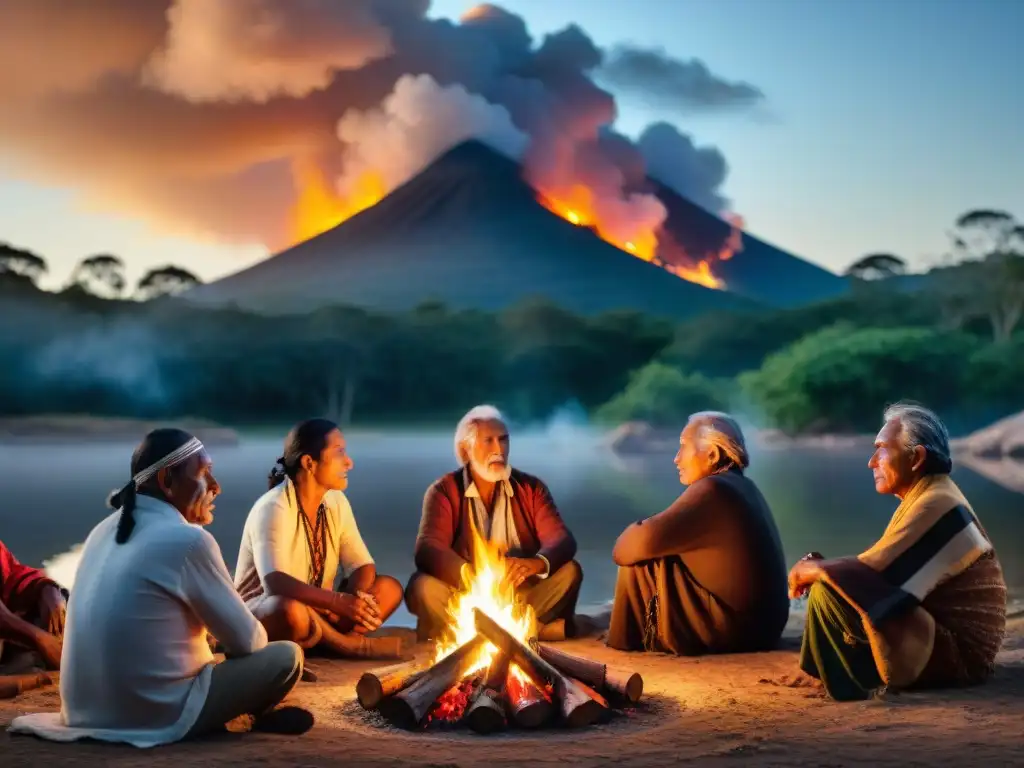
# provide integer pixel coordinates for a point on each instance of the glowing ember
(450, 707)
(319, 207)
(484, 587)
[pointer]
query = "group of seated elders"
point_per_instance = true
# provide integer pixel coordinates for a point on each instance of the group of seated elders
(32, 610)
(925, 606)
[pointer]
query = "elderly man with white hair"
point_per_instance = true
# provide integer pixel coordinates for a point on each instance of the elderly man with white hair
(707, 575)
(509, 508)
(925, 606)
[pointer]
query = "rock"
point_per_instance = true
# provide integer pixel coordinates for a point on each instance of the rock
(639, 437)
(1005, 438)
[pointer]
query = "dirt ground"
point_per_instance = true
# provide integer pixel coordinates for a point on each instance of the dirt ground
(729, 710)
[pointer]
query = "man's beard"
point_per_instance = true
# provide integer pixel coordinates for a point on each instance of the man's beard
(491, 473)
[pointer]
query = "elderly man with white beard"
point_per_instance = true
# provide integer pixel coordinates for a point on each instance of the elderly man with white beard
(509, 508)
(136, 665)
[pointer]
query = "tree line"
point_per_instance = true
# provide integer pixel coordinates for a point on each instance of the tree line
(99, 275)
(830, 366)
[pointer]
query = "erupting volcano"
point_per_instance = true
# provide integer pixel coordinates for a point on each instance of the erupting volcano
(320, 207)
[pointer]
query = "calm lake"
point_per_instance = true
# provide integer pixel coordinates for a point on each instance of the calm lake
(822, 500)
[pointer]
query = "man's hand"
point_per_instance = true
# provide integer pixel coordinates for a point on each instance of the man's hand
(519, 569)
(52, 609)
(360, 608)
(803, 575)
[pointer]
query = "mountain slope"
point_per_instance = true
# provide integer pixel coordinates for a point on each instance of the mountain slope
(760, 271)
(466, 231)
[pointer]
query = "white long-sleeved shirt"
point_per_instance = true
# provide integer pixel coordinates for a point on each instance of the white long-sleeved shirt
(274, 539)
(136, 664)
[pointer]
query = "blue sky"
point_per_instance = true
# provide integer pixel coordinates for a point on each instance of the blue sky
(887, 120)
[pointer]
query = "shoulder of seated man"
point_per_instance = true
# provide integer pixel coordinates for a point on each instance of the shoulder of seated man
(711, 489)
(525, 478)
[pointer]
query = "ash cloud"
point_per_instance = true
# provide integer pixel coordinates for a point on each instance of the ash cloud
(416, 123)
(671, 83)
(192, 113)
(257, 49)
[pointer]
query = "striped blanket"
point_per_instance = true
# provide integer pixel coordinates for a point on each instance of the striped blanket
(930, 592)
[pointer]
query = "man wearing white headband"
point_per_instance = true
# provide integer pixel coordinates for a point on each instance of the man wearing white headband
(137, 666)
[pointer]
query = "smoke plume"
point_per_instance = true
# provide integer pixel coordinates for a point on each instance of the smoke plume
(193, 113)
(675, 84)
(417, 122)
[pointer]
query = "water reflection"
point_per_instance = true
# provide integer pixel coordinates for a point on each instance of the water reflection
(822, 500)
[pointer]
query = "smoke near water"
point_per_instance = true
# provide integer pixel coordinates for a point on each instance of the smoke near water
(193, 113)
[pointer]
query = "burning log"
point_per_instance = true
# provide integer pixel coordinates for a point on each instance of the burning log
(407, 708)
(486, 711)
(377, 684)
(529, 706)
(579, 707)
(618, 682)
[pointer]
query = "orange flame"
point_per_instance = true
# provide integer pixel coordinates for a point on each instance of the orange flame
(320, 208)
(484, 587)
(577, 208)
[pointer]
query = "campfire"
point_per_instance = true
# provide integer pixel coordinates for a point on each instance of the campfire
(489, 671)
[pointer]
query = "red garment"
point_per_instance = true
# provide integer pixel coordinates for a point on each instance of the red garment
(443, 541)
(19, 584)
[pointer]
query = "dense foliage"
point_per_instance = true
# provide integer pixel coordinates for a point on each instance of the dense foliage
(952, 338)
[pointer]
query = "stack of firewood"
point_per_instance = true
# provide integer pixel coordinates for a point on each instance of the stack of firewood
(560, 688)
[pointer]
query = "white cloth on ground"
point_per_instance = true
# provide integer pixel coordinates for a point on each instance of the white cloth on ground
(274, 539)
(136, 665)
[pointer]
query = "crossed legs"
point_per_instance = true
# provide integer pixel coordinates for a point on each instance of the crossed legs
(286, 619)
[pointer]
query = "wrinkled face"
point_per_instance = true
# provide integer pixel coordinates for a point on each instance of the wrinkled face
(692, 462)
(331, 470)
(488, 453)
(894, 468)
(191, 488)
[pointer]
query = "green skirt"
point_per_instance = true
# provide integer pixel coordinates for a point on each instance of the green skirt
(835, 647)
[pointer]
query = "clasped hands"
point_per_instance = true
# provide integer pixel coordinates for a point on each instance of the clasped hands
(519, 569)
(360, 608)
(804, 574)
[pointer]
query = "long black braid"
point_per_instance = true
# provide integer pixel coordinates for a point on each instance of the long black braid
(155, 445)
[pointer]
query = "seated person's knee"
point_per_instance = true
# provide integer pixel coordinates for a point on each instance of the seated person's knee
(389, 593)
(285, 619)
(574, 572)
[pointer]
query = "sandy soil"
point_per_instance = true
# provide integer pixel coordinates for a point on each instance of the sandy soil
(729, 710)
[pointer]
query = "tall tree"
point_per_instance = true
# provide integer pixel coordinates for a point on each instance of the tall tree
(877, 266)
(101, 275)
(21, 264)
(994, 241)
(165, 281)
